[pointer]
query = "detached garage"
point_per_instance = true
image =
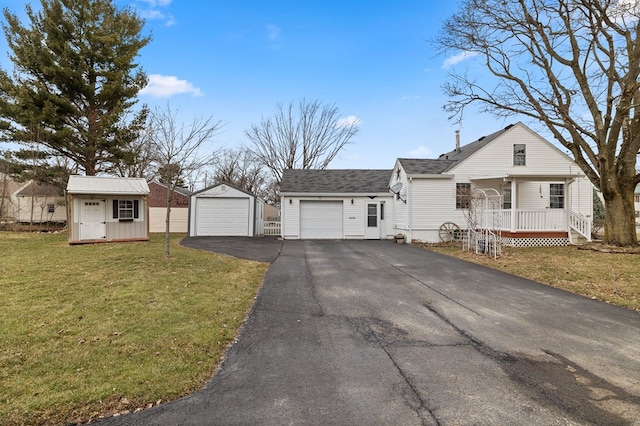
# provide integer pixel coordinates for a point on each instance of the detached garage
(336, 204)
(223, 210)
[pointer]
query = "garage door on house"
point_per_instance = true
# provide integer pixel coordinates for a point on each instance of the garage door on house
(321, 219)
(222, 217)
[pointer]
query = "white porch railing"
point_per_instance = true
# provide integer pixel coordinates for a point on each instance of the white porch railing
(272, 228)
(580, 224)
(541, 220)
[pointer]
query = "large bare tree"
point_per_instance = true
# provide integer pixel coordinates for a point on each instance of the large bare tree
(306, 135)
(572, 65)
(240, 168)
(180, 150)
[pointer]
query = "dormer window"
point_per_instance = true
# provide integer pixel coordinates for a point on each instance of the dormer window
(519, 154)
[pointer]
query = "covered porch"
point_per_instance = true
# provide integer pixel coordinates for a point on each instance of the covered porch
(533, 210)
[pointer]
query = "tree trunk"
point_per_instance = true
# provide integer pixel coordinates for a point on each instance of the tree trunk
(619, 219)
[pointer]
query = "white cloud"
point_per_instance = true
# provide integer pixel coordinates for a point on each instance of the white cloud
(273, 32)
(152, 11)
(456, 59)
(421, 152)
(350, 120)
(164, 86)
(155, 3)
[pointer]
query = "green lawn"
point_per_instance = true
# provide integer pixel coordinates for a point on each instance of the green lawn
(610, 277)
(95, 329)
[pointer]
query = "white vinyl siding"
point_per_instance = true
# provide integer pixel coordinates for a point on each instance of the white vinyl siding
(321, 219)
(433, 203)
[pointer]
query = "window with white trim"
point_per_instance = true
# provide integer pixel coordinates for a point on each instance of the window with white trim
(506, 198)
(126, 210)
(463, 195)
(519, 154)
(556, 196)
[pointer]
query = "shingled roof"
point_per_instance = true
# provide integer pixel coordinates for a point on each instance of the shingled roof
(425, 166)
(341, 181)
(467, 150)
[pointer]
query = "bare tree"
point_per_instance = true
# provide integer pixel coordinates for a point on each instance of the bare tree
(307, 137)
(178, 149)
(140, 159)
(572, 65)
(240, 168)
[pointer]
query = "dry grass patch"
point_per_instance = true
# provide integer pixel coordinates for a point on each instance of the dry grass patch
(95, 329)
(609, 277)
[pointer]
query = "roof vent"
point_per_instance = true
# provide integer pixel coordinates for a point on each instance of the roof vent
(481, 138)
(457, 140)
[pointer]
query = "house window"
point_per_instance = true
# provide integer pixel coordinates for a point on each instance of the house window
(126, 210)
(51, 208)
(556, 196)
(506, 198)
(519, 154)
(637, 198)
(463, 195)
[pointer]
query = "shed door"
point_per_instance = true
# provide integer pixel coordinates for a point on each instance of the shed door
(222, 217)
(93, 220)
(321, 219)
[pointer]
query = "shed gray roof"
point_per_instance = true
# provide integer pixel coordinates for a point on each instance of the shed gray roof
(350, 181)
(107, 185)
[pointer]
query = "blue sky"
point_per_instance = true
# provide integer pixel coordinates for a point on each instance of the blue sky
(237, 59)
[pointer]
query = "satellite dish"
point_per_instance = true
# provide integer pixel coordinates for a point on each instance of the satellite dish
(396, 187)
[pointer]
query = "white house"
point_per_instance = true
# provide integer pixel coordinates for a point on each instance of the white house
(107, 209)
(224, 210)
(528, 189)
(636, 200)
(40, 203)
(336, 204)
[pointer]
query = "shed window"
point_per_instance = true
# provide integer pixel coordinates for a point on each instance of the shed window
(519, 154)
(556, 196)
(126, 210)
(463, 195)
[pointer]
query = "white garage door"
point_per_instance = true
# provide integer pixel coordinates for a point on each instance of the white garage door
(222, 217)
(321, 219)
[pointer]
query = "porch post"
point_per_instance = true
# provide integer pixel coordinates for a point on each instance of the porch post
(567, 206)
(514, 198)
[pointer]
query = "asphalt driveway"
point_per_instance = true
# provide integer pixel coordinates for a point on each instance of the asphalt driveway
(371, 332)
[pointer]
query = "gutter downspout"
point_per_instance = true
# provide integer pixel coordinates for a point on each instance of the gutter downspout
(409, 211)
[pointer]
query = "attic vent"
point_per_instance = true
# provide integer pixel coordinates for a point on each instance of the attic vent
(509, 126)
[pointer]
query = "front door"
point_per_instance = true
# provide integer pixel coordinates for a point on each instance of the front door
(372, 222)
(93, 218)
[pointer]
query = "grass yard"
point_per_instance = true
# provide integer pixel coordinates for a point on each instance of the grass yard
(610, 277)
(96, 329)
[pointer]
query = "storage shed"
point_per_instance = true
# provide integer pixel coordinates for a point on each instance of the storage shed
(107, 209)
(224, 210)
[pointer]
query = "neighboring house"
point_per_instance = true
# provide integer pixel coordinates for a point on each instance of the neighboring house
(544, 198)
(39, 203)
(224, 210)
(8, 202)
(336, 204)
(179, 218)
(107, 209)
